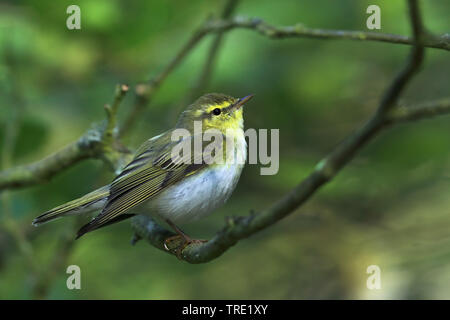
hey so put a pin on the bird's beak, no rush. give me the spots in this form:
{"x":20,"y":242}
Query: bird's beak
{"x":243,"y":101}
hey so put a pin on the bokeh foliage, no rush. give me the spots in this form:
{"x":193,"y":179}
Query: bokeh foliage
{"x":389,"y":207}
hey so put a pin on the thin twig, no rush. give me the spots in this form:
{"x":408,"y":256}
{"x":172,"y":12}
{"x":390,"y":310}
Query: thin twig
{"x":301,"y":31}
{"x":425,"y":110}
{"x":111,"y":111}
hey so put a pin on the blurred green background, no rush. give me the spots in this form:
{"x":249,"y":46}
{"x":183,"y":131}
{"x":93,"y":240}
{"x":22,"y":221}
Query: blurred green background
{"x":389,"y":207}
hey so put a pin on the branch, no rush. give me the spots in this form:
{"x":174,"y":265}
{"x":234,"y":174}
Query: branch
{"x":98,"y":142}
{"x":422,"y":111}
{"x":238,"y":228}
{"x":301,"y":31}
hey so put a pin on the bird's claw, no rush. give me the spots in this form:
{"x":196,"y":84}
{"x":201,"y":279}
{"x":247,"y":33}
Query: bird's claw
{"x":178,"y":243}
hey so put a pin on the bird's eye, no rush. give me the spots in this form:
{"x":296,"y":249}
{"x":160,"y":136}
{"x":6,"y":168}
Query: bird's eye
{"x":216,"y":111}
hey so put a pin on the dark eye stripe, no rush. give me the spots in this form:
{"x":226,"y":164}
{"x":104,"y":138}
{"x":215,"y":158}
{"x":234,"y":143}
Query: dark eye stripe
{"x":211,"y":113}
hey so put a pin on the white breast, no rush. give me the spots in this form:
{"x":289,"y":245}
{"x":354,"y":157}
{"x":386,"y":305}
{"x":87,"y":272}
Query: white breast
{"x":201,"y":193}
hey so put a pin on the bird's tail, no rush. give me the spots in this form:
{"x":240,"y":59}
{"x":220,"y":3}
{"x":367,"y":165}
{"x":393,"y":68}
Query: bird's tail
{"x":87,"y":203}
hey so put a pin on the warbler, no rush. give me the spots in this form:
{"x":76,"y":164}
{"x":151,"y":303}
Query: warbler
{"x":160,"y":184}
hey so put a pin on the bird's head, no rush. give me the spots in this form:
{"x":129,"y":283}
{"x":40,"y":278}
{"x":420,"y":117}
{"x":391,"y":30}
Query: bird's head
{"x":215,"y":111}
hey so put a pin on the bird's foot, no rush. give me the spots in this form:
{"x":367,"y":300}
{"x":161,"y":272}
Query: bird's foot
{"x":178,"y":243}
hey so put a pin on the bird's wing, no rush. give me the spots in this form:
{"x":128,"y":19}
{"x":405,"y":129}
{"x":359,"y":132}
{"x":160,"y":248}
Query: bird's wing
{"x":152,"y":170}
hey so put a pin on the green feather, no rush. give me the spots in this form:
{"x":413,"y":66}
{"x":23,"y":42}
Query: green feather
{"x":151,"y":171}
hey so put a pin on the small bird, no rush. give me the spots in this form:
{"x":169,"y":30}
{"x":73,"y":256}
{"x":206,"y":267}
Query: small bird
{"x":160,"y":185}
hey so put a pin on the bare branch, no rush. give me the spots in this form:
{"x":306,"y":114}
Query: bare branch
{"x":301,"y":31}
{"x":111,"y":111}
{"x":422,"y":111}
{"x":412,"y":66}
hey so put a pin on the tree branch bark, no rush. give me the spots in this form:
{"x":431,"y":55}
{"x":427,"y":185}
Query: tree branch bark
{"x":301,"y":31}
{"x":425,"y":110}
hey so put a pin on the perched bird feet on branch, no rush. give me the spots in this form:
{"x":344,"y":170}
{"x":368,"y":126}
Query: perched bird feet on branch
{"x":179,"y":242}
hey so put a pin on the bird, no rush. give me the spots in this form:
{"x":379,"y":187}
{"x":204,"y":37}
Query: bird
{"x":163,"y":185}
